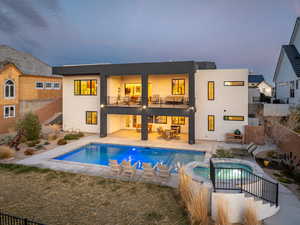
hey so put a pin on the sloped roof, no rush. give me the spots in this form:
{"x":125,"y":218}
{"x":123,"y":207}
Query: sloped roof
{"x":294,"y":57}
{"x":255,"y":78}
{"x":296,"y":28}
{"x":25,"y":62}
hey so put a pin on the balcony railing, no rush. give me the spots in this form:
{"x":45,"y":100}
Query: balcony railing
{"x":153,"y":101}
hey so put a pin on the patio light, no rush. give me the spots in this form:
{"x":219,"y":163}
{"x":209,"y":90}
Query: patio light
{"x":144,"y":107}
{"x":102,"y":105}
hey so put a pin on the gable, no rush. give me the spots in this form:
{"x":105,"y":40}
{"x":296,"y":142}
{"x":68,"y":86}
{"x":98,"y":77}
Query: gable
{"x":284,"y":71}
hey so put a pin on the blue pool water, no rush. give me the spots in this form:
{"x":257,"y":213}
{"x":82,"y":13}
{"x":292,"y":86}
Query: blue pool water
{"x":101,"y":154}
{"x":232,"y":174}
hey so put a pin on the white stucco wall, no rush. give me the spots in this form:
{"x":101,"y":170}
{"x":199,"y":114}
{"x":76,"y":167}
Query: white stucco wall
{"x":253,"y":93}
{"x":75,"y":107}
{"x":265,"y":89}
{"x":229,"y":100}
{"x":276,"y":109}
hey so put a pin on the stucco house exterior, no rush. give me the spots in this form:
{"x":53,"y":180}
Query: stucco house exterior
{"x":26,"y":84}
{"x":195,"y":99}
{"x":287,"y":73}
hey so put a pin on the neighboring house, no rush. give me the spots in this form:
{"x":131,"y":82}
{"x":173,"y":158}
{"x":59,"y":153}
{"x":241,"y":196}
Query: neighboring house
{"x":287,"y":74}
{"x":265,"y":88}
{"x":193,"y":98}
{"x":26,"y":84}
{"x":258,"y":87}
{"x":255,"y":80}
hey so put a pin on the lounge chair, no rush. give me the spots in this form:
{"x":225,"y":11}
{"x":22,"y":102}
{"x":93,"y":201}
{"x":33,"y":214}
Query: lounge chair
{"x":127,"y":169}
{"x":149,"y":171}
{"x":115,"y":168}
{"x":251,"y":148}
{"x":164,"y":171}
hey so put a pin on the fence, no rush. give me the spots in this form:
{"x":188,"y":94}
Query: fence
{"x":242,"y":180}
{"x":6,"y":219}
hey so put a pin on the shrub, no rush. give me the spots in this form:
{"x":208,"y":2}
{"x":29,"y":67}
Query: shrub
{"x":33,"y":143}
{"x":80,"y":134}
{"x":222,"y":213}
{"x":46,"y":143}
{"x":284,"y":180}
{"x":250,"y":216}
{"x":29,"y":151}
{"x":6,"y":152}
{"x":62,"y":142}
{"x":73,"y":136}
{"x":30,"y":126}
{"x":39,"y":147}
{"x":185,"y":182}
{"x":6,"y":140}
{"x":52,"y":137}
{"x":222,"y":153}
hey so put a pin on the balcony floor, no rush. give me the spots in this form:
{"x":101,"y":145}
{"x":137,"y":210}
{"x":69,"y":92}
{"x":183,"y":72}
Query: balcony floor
{"x":151,"y":106}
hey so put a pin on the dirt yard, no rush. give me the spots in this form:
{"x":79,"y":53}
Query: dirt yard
{"x":52,"y":197}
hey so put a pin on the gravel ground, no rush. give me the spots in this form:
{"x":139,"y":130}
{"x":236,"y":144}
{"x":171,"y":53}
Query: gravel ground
{"x":52,"y":197}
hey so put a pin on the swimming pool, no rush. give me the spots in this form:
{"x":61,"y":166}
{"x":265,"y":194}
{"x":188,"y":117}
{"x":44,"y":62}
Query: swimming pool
{"x":100,"y":154}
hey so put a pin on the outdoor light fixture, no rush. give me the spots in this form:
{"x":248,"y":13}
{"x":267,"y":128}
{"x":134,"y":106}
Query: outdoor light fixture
{"x":102,"y":106}
{"x":144,"y":107}
{"x":192,"y":108}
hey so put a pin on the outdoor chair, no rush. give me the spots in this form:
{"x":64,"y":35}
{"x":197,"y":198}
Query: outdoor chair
{"x":149,"y":171}
{"x":155,"y":99}
{"x":164,"y":172}
{"x":115,"y":168}
{"x":251,"y":148}
{"x":128,"y":170}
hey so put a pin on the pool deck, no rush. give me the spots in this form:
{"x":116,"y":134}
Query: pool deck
{"x":45,"y":159}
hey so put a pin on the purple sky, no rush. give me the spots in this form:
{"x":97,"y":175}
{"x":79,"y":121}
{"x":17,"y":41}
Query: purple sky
{"x":233,"y":33}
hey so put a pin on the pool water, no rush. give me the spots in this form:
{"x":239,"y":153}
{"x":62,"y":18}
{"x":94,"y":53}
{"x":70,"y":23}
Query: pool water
{"x":101,"y":154}
{"x":232,"y":174}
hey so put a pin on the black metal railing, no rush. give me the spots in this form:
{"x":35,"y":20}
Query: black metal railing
{"x":153,"y":101}
{"x":6,"y":219}
{"x":242,"y":180}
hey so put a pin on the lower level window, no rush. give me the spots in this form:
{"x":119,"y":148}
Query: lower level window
{"x":9,"y":111}
{"x":91,"y":117}
{"x":211,"y":123}
{"x":234,"y":118}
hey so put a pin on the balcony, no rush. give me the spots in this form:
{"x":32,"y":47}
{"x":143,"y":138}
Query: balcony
{"x":154,"y":101}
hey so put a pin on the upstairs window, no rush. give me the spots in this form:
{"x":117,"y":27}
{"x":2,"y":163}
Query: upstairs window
{"x":178,"y":86}
{"x":9,"y":111}
{"x":211,"y":90}
{"x":85,"y":87}
{"x":9,"y":89}
{"x":48,"y":85}
{"x":39,"y":85}
{"x":56,"y":86}
{"x":292,"y":89}
{"x":234,"y":118}
{"x":234,"y":83}
{"x":297,"y":84}
{"x":91,"y":117}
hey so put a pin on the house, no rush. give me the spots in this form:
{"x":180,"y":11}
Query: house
{"x":287,"y":73}
{"x":26,"y":84}
{"x":265,"y":88}
{"x":255,"y":80}
{"x":194,"y":100}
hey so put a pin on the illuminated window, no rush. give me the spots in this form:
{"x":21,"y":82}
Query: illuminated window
{"x":91,"y":117}
{"x":178,"y":120}
{"x":234,"y":118}
{"x":211,"y":123}
{"x":85,"y":87}
{"x":133,"y":89}
{"x":178,"y":86}
{"x":160,"y":119}
{"x":234,"y":83}
{"x":211,"y":90}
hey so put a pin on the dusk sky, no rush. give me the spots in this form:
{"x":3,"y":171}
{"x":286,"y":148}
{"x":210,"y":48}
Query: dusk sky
{"x":232,"y":33}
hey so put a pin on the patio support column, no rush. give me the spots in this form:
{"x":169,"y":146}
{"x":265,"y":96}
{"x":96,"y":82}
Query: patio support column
{"x":192,"y":128}
{"x":192,"y":89}
{"x":144,"y":106}
{"x":103,"y":104}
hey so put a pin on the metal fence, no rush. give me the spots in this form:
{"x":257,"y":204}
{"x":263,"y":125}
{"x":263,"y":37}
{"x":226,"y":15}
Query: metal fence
{"x":242,"y":180}
{"x":6,"y":219}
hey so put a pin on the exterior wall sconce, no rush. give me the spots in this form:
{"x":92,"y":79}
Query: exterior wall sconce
{"x":192,"y":108}
{"x":102,"y":106}
{"x":144,"y":107}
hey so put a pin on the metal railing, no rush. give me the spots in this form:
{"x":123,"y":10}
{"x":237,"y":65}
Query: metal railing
{"x":6,"y":219}
{"x":242,"y":180}
{"x":153,"y":101}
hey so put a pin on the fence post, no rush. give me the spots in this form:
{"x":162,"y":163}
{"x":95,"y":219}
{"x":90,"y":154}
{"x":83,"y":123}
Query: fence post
{"x":241,"y":183}
{"x":212,"y":174}
{"x":277,"y":193}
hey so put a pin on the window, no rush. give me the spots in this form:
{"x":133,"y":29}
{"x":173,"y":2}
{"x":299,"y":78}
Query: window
{"x":211,"y":123}
{"x":297,"y":84}
{"x":211,"y":90}
{"x":85,"y":87}
{"x":56,"y":86}
{"x":9,"y":111}
{"x":39,"y":85}
{"x":133,"y":89}
{"x":9,"y":89}
{"x":48,"y":85}
{"x":234,"y":83}
{"x":91,"y":117}
{"x":178,"y":86}
{"x":160,"y":119}
{"x":292,"y":89}
{"x":178,"y":120}
{"x":234,"y":118}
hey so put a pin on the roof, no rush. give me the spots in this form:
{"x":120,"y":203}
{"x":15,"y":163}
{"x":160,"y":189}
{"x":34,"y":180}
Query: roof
{"x":25,"y":62}
{"x":294,"y":57}
{"x":134,"y":68}
{"x":296,"y":28}
{"x":255,"y":78}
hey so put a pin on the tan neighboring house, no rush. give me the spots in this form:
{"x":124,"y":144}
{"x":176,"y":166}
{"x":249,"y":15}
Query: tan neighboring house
{"x":26,"y":84}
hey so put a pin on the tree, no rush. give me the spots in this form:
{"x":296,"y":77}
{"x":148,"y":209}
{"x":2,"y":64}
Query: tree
{"x":29,"y":126}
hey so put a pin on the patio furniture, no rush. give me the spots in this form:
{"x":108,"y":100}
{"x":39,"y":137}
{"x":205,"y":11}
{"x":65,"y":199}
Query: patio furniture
{"x":115,"y":168}
{"x":174,"y":100}
{"x":164,"y":172}
{"x":251,"y":148}
{"x":155,"y":99}
{"x":234,"y":138}
{"x":128,"y":170}
{"x":126,"y":100}
{"x":149,"y":171}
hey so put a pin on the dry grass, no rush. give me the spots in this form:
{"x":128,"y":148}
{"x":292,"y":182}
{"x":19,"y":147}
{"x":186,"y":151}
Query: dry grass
{"x":198,"y":207}
{"x":6,"y":152}
{"x":222,"y":213}
{"x":185,"y":183}
{"x":250,"y":216}
{"x":57,"y":198}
